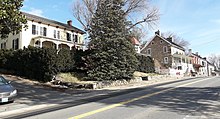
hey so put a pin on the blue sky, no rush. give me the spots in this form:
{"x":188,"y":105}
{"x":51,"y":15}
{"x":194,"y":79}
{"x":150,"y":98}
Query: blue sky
{"x":197,"y":21}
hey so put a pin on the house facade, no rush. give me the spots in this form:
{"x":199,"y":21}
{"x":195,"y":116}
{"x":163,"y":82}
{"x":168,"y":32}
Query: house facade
{"x":211,"y":69}
{"x":199,"y":64}
{"x":42,"y":32}
{"x":169,"y":58}
{"x":136,"y":44}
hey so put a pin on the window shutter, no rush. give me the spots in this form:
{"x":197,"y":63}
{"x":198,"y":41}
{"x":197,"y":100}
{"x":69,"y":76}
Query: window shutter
{"x":76,"y":38}
{"x":45,"y":31}
{"x":17,"y":43}
{"x":13,"y":44}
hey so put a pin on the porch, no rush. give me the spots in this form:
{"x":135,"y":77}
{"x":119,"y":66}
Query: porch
{"x":46,"y":42}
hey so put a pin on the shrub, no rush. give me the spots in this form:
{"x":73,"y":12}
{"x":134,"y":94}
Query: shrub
{"x":146,"y":64}
{"x":36,"y":63}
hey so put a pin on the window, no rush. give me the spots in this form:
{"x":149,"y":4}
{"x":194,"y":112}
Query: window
{"x":15,"y":44}
{"x":3,"y":45}
{"x":68,"y":36}
{"x":149,"y":51}
{"x":165,"y":49}
{"x":37,"y":32}
{"x":179,"y":67}
{"x":55,"y":34}
{"x":161,"y":42}
{"x":203,"y":63}
{"x":33,"y":29}
{"x":41,"y":31}
{"x":58,"y":34}
{"x":165,"y":60}
{"x":183,"y":60}
{"x":152,"y":42}
{"x":76,"y":38}
{"x":37,"y":44}
{"x":45,"y":31}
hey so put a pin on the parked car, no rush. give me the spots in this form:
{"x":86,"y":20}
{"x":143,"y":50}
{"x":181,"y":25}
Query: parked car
{"x":7,"y":91}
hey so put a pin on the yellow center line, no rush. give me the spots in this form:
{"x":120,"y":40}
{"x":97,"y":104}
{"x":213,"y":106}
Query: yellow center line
{"x":129,"y":101}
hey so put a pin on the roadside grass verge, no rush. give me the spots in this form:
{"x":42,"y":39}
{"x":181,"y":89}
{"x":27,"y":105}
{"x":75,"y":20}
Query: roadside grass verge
{"x":71,"y":77}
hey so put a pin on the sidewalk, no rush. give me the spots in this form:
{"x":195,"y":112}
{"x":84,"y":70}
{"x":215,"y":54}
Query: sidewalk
{"x":34,"y":97}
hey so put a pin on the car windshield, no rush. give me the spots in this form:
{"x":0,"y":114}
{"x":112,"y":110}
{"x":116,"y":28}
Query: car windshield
{"x":3,"y":81}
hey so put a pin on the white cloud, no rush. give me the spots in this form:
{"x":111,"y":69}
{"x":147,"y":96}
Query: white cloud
{"x":35,"y":11}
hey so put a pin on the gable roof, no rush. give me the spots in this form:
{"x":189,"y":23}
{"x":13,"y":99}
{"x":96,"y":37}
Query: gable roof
{"x":164,"y":39}
{"x":134,"y":41}
{"x":51,"y":22}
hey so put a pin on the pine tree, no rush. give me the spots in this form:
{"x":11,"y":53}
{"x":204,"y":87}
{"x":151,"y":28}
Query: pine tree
{"x":113,"y":55}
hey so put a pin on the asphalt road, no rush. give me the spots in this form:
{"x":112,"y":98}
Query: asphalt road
{"x":190,"y":99}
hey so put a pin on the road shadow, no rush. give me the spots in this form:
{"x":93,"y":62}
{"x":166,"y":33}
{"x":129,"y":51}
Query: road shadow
{"x":183,"y":100}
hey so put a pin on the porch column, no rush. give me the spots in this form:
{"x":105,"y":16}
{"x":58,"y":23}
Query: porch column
{"x":57,"y":46}
{"x":41,"y":44}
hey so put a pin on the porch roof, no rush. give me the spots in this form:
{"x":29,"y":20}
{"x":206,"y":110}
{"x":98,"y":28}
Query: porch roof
{"x":181,"y":56}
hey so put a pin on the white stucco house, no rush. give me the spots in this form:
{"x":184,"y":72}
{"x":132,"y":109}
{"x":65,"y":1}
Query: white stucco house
{"x":43,"y":32}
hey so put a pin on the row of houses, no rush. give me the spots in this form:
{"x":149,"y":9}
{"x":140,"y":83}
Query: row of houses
{"x":172,"y":59}
{"x":169,"y":57}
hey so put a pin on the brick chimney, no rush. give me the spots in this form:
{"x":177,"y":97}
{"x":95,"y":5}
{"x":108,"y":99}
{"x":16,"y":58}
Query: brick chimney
{"x":190,"y":51}
{"x":69,"y":22}
{"x":170,"y":39}
{"x":157,"y":32}
{"x":197,"y":53}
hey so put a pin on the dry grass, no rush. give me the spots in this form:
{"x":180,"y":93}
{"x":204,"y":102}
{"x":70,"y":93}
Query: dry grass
{"x":77,"y":77}
{"x":71,"y":77}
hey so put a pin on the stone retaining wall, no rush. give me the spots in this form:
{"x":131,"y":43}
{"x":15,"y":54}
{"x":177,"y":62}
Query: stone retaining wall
{"x":105,"y":84}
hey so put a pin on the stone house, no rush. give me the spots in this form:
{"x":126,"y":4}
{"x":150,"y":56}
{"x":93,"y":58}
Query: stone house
{"x":169,"y":57}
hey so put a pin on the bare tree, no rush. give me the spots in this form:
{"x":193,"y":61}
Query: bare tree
{"x":83,"y":11}
{"x":215,"y":60}
{"x":176,"y":39}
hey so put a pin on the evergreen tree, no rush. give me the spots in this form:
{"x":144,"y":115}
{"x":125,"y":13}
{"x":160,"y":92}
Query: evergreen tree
{"x":113,"y":55}
{"x":11,"y":19}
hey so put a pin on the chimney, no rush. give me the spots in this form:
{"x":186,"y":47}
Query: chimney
{"x":190,"y":51}
{"x":197,"y":53}
{"x":69,"y":22}
{"x":157,"y":32}
{"x":170,"y":39}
